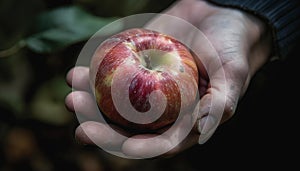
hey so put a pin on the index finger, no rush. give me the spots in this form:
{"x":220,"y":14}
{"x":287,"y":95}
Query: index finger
{"x":78,"y":78}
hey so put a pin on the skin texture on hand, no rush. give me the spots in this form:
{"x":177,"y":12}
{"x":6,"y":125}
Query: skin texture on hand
{"x":243,"y":44}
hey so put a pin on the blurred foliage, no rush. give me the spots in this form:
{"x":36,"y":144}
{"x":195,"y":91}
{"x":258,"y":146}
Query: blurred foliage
{"x":57,"y":28}
{"x":40,"y":41}
{"x":48,"y":99}
{"x":17,"y":18}
{"x":55,"y":32}
{"x":122,"y":8}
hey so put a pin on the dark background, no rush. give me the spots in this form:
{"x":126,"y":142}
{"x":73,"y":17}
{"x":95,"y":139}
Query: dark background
{"x":37,"y":132}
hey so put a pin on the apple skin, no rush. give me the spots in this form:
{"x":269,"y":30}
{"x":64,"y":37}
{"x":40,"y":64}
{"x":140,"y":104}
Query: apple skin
{"x":156,"y":62}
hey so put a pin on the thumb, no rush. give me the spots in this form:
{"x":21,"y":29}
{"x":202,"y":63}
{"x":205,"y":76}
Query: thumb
{"x":219,"y":103}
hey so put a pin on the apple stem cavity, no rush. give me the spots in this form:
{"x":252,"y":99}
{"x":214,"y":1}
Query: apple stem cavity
{"x":147,"y":61}
{"x":156,"y":60}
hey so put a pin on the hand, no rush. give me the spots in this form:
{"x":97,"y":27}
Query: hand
{"x":242,"y":43}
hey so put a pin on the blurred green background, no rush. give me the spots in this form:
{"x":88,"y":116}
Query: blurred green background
{"x":40,"y":41}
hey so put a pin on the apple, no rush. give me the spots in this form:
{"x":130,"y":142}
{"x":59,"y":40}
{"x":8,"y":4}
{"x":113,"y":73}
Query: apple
{"x":140,"y":70}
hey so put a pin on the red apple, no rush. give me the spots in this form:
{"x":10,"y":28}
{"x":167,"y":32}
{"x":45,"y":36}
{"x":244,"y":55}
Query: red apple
{"x":129,"y":66}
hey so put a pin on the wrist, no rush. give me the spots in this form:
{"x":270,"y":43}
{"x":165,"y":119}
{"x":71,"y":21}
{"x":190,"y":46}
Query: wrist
{"x":257,"y":36}
{"x":193,"y":11}
{"x":260,"y":36}
{"x":254,"y":32}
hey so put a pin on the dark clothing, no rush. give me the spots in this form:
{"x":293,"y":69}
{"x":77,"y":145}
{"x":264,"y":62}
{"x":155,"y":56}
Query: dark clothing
{"x":283,"y":17}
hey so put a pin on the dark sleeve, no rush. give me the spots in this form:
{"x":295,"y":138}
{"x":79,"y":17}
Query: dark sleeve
{"x":283,"y":17}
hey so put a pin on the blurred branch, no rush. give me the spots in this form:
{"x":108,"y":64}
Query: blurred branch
{"x":13,"y":50}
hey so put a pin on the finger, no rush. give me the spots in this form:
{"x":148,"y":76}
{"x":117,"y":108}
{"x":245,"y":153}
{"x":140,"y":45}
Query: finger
{"x":212,"y":103}
{"x":210,"y":114}
{"x":102,"y":135}
{"x":78,"y":78}
{"x":227,"y":73}
{"x":181,"y":129}
{"x":190,"y":141}
{"x":220,"y":103}
{"x":84,"y":105}
{"x":168,"y":143}
{"x":139,"y":146}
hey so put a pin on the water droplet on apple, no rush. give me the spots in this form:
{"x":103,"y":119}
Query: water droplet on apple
{"x":181,"y":69}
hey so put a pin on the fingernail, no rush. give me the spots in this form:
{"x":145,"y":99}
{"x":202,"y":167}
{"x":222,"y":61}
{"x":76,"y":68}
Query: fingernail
{"x":206,"y":123}
{"x":199,"y":112}
{"x":204,"y":138}
{"x":204,"y":130}
{"x":204,"y":110}
{"x":201,"y":124}
{"x":206,"y":126}
{"x":203,"y":114}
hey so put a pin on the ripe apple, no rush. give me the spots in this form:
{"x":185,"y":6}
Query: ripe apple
{"x":128,"y":67}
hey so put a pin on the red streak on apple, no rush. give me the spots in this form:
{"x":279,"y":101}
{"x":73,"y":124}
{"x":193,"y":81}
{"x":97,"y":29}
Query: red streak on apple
{"x":157,"y":62}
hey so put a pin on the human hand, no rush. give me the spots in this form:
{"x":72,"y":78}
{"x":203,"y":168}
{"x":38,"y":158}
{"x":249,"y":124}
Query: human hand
{"x":242,"y":44}
{"x":239,"y":45}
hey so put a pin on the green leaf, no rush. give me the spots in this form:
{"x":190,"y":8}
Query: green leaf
{"x":133,"y":6}
{"x":63,"y":27}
